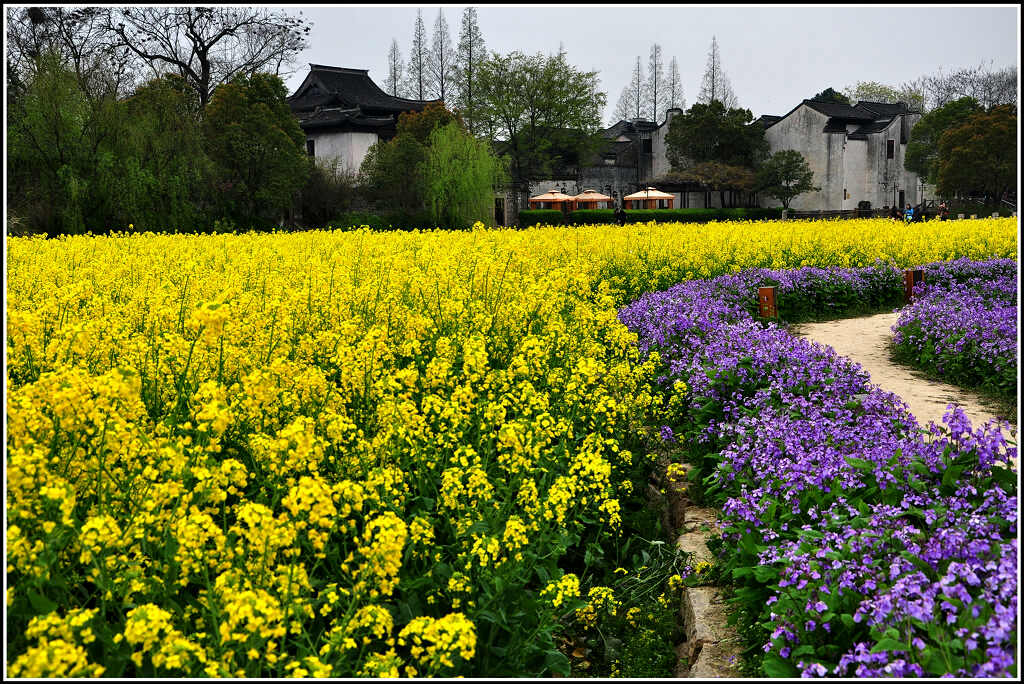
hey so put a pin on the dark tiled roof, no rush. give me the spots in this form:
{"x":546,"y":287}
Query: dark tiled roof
{"x":349,"y":88}
{"x":346,"y":119}
{"x":873,"y":127}
{"x":883,"y":109}
{"x":838,"y":110}
{"x":629,"y":128}
{"x":834,"y":125}
{"x":767,"y":120}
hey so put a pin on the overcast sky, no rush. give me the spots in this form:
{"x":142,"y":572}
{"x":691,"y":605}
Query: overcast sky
{"x":773,"y":56}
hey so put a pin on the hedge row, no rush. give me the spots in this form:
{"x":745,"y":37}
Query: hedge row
{"x":532,"y":217}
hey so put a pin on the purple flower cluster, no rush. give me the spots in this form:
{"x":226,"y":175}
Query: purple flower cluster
{"x":889,"y":550}
{"x":963,"y":325}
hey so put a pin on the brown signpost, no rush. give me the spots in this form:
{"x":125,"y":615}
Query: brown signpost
{"x":766,"y":302}
{"x":911,"y":277}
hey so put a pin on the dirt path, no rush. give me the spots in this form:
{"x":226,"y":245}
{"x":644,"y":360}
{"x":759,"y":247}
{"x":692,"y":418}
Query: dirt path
{"x":865,"y":340}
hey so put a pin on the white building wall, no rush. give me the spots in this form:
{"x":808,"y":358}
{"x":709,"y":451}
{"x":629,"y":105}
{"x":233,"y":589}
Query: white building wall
{"x":349,"y":148}
{"x":802,"y":131}
{"x":843,"y":167}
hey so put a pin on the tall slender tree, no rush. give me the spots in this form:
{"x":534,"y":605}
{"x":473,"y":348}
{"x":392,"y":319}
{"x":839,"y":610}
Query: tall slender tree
{"x":416,"y":74}
{"x":654,"y":87}
{"x":674,"y":87}
{"x":396,"y":69}
{"x":715,"y":84}
{"x":631,"y":99}
{"x":471,"y":52}
{"x":441,"y":62}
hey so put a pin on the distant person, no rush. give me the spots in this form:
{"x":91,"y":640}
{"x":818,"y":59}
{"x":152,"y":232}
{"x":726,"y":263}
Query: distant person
{"x":620,"y":215}
{"x":894,"y":213}
{"x":943,"y":210}
{"x":908,"y":214}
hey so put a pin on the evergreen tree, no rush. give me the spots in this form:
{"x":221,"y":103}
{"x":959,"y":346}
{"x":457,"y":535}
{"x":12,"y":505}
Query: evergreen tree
{"x":631,"y":100}
{"x":393,"y":80}
{"x":674,"y":87}
{"x":470,"y":54}
{"x":715,"y":84}
{"x":654,"y":88}
{"x":417,"y":77}
{"x":441,"y":60}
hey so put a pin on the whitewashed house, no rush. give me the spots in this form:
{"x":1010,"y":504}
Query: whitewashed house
{"x":856,"y":153}
{"x":343,"y":112}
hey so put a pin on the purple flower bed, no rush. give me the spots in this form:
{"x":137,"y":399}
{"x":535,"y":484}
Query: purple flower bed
{"x":962,"y":326}
{"x":859,"y":543}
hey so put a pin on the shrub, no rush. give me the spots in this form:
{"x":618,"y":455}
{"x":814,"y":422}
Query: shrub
{"x":535,"y":217}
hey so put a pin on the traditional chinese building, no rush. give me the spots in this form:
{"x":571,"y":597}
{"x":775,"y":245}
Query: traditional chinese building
{"x":342,"y":112}
{"x":855,"y":151}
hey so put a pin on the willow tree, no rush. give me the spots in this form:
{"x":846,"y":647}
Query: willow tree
{"x":461,"y":174}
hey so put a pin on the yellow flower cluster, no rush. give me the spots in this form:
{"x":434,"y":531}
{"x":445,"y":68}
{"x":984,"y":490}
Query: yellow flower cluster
{"x":251,"y":451}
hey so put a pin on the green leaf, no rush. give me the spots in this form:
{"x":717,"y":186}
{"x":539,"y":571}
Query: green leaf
{"x":42,"y":604}
{"x":765,"y":573}
{"x":860,"y":463}
{"x":775,"y":666}
{"x":888,"y":644}
{"x":557,"y":663}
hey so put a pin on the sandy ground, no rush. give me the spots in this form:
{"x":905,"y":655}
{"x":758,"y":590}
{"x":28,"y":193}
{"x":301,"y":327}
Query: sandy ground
{"x":865,"y":341}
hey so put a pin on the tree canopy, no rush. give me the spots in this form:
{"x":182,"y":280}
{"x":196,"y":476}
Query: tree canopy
{"x":832,"y":95}
{"x":785,"y":175}
{"x":922,"y":155}
{"x":434,"y":167}
{"x":980,"y":155}
{"x":544,"y":111}
{"x":710,"y":132}
{"x":258,"y":147}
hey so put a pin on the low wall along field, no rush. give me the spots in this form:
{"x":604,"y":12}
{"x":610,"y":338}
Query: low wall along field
{"x":350,"y":453}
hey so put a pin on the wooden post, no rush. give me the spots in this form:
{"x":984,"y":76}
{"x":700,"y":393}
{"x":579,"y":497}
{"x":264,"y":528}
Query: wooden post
{"x":766,"y":302}
{"x":911,"y":277}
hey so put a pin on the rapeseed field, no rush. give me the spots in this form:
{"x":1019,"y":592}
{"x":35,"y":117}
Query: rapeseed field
{"x":346,"y":453}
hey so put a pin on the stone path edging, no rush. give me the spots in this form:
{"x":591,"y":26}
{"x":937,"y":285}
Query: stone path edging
{"x":711,"y":647}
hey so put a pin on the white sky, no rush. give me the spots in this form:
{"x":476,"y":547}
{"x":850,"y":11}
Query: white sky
{"x":773,"y":56}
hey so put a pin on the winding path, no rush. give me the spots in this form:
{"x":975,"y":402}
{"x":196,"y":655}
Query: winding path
{"x":865,"y":340}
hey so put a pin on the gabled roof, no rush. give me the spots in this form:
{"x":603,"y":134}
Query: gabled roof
{"x":838,"y":110}
{"x":632,"y":127}
{"x":344,"y":119}
{"x":767,"y":120}
{"x":885,"y":109}
{"x":874,"y":127}
{"x":348,"y":88}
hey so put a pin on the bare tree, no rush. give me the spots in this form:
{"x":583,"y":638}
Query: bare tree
{"x":654,"y":87}
{"x":76,"y":37}
{"x":674,"y":87}
{"x":209,"y":46}
{"x":441,"y":59}
{"x":715,"y":85}
{"x":471,"y":52}
{"x":990,"y":87}
{"x":393,"y":81}
{"x":417,"y":77}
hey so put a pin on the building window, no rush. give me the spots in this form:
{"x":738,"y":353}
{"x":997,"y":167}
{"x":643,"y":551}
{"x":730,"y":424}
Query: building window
{"x":890,"y":149}
{"x":310,"y":147}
